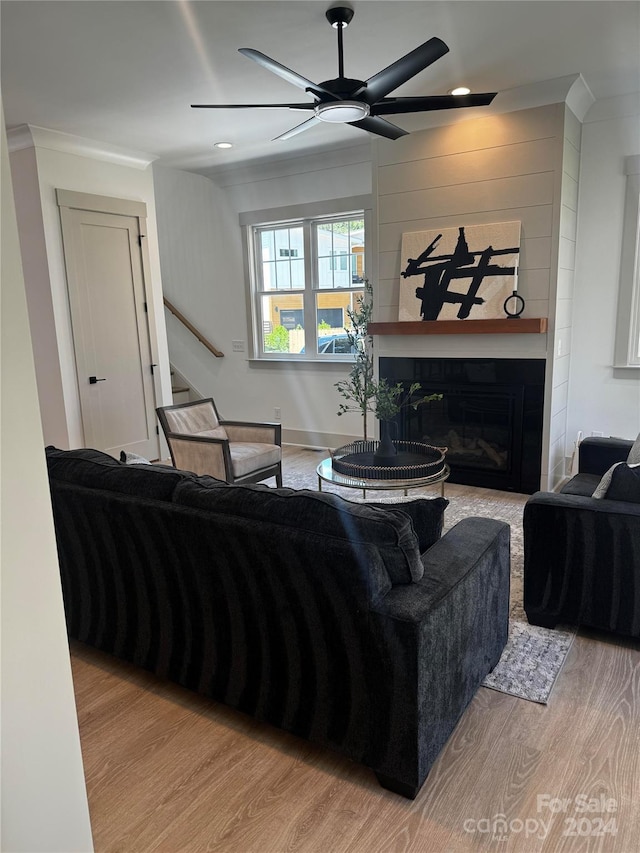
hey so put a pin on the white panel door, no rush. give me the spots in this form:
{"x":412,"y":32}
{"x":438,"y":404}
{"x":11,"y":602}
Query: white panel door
{"x":110,"y":331}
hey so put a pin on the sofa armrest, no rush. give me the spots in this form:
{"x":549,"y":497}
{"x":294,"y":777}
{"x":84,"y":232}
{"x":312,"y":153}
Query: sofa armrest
{"x":446,"y":564}
{"x":596,"y":454}
{"x":560,"y":501}
{"x":436,"y":641}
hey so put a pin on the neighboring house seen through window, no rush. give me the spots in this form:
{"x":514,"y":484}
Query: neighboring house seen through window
{"x":305,"y":274}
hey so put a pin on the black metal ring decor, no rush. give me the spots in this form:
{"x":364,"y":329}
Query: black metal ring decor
{"x":414,"y":460}
{"x":518,"y":301}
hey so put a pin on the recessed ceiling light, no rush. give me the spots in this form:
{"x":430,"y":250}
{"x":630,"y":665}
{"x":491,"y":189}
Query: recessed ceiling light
{"x":222,"y":145}
{"x":460,"y":90}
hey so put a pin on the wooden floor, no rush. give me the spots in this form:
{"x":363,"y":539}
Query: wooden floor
{"x":169,"y":771}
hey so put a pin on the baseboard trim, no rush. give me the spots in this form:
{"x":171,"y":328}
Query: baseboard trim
{"x":316,"y":440}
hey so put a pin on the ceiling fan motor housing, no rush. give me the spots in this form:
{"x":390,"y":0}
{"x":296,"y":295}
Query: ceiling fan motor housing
{"x":339,"y":16}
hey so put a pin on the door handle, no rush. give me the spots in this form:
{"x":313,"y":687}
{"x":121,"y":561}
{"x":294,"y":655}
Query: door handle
{"x":94,"y":379}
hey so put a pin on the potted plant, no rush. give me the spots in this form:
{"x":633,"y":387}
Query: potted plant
{"x":362,"y":392}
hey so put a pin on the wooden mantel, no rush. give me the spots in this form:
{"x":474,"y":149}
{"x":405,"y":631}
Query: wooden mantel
{"x":521,"y":326}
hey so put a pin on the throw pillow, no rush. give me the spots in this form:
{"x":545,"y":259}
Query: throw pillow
{"x":620,"y":483}
{"x":426,"y":514}
{"x":601,"y":489}
{"x":634,"y":454}
{"x":133,"y":459}
{"x":625,"y":484}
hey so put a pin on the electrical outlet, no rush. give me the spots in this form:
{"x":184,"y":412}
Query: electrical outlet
{"x":276,"y":413}
{"x":237,"y":346}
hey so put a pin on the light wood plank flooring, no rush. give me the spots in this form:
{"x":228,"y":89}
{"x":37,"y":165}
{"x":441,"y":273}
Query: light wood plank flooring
{"x":169,"y":771}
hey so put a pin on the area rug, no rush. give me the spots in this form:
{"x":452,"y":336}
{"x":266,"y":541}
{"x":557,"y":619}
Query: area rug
{"x":533,"y":657}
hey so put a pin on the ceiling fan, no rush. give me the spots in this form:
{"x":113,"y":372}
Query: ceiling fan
{"x":361,"y":103}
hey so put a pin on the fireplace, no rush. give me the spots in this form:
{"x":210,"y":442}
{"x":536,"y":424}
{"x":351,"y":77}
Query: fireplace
{"x":489,"y":418}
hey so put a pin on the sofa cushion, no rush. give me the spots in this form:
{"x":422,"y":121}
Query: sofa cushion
{"x":581,"y":484}
{"x":620,"y":483}
{"x":195,"y":419}
{"x":389,"y":531}
{"x":625,"y":484}
{"x":247,"y":457}
{"x":97,"y":470}
{"x":426,"y":514}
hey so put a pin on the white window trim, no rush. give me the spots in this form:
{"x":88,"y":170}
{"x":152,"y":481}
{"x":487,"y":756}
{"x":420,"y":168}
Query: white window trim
{"x":628,"y":322}
{"x":294,"y":213}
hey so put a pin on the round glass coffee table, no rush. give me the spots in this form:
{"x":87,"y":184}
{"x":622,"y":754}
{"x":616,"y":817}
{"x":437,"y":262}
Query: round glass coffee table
{"x":328,"y":474}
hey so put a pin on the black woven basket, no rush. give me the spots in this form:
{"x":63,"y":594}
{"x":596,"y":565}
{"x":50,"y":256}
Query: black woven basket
{"x":413,"y":461}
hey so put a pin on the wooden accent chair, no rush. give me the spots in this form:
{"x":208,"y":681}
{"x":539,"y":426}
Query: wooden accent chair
{"x":234,"y":451}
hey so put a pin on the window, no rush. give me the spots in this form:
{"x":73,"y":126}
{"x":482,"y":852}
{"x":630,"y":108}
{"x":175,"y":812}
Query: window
{"x":627,"y":349}
{"x":305,"y":274}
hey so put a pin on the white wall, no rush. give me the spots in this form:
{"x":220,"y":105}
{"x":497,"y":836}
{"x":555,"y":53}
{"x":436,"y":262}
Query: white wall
{"x":203,"y":272}
{"x":44,"y":803}
{"x":600,"y":398}
{"x":35,"y":265}
{"x":65,"y":169}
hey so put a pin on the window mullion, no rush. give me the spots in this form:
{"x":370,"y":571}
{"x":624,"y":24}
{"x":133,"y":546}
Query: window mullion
{"x":258,"y":289}
{"x":310,"y":284}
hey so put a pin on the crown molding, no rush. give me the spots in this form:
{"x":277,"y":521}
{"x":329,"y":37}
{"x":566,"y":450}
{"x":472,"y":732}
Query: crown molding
{"x":32,"y":136}
{"x":617,"y":106}
{"x":580,"y":98}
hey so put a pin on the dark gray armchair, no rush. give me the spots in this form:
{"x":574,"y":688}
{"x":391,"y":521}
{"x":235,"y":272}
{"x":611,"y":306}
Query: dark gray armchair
{"x":582,"y":554}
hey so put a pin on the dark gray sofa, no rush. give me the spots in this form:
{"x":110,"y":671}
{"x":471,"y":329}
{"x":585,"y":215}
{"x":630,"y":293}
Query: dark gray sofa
{"x":315,"y":614}
{"x":582,"y":554}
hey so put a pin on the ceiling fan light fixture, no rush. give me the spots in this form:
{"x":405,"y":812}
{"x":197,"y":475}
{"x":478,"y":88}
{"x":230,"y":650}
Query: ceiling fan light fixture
{"x":342,"y":112}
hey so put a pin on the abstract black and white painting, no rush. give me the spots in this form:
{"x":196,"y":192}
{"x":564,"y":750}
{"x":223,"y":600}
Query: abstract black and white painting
{"x":458,"y":273}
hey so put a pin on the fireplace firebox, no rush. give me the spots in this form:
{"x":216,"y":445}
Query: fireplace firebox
{"x":489,"y":418}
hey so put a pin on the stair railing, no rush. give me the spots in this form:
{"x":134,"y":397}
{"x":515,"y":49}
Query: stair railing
{"x":193,"y":329}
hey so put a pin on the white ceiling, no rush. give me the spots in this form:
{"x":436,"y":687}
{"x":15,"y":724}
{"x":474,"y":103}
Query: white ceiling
{"x":125,"y":73}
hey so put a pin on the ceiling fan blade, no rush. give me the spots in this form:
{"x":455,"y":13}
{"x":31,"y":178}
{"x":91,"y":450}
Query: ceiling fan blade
{"x":403,"y":69}
{"x":380,"y":127}
{"x":396,"y":106}
{"x":286,"y":73}
{"x":300,"y":128}
{"x":253,"y":106}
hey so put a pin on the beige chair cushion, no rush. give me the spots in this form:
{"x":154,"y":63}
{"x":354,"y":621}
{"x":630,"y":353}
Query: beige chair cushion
{"x":218,"y":432}
{"x":247,"y":457}
{"x":196,"y":420}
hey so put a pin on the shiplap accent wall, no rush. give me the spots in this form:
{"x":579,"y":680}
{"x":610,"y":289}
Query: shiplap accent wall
{"x":518,"y":166}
